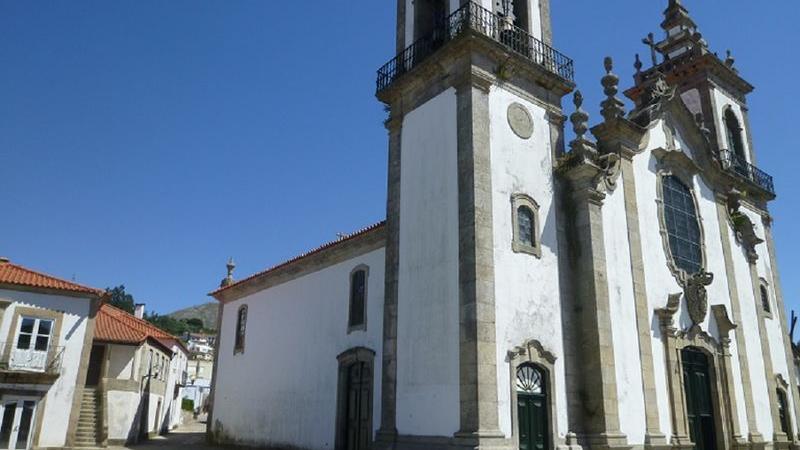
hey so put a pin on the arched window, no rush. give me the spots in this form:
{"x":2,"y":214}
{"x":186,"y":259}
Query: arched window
{"x":241,"y":329}
{"x":783,"y":412}
{"x":358,"y":299}
{"x":734,"y":132}
{"x":683,"y":226}
{"x":765,"y":298}
{"x":526,"y":225}
{"x":532,"y":404}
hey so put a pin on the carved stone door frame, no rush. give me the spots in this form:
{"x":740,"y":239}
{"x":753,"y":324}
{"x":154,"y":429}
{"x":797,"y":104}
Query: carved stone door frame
{"x":720,"y":372}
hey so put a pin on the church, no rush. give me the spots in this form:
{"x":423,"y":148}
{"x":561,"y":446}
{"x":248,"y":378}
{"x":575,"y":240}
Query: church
{"x":618,"y":290}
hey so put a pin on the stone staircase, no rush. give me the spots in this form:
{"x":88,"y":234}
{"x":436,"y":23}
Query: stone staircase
{"x":88,"y":433}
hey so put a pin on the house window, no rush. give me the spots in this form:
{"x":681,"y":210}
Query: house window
{"x":734,"y":132}
{"x":783,"y":412}
{"x":358,"y":299}
{"x":765,"y":298}
{"x":241,"y":328}
{"x":683,"y":226}
{"x":525,"y":222}
{"x":34,"y":334}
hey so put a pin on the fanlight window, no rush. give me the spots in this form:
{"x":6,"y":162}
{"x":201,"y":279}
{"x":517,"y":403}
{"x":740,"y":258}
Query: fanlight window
{"x":683,"y":226}
{"x":530,"y":379}
{"x":525,"y":224}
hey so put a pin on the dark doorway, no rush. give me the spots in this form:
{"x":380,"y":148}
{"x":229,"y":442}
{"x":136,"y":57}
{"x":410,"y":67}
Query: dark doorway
{"x":428,"y":16}
{"x":359,"y":389}
{"x":699,"y":401}
{"x":95,"y":370}
{"x":532,"y":408}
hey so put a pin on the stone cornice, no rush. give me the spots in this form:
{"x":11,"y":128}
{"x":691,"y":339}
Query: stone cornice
{"x":496,"y":66}
{"x":315,"y":261}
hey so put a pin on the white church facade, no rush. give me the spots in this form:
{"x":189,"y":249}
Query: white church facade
{"x":619,"y":291}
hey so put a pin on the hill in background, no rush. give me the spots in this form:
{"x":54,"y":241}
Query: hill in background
{"x":206,"y":312}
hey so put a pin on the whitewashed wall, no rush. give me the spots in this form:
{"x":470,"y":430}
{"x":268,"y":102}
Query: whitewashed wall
{"x":624,"y":331}
{"x":661,"y":283}
{"x":121,"y":361}
{"x":121,"y":414}
{"x":283,"y":388}
{"x":527,"y":300}
{"x":171,"y":416}
{"x":73,"y":330}
{"x":428,"y":317}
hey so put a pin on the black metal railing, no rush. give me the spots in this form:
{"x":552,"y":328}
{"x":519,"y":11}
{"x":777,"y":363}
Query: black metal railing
{"x":474,"y":17}
{"x":739,"y":166}
{"x":13,"y":359}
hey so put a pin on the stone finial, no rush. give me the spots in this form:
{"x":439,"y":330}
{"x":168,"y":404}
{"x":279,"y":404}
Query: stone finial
{"x":612,"y":107}
{"x":228,"y":280}
{"x":638,"y":64}
{"x":580,"y":118}
{"x":729,"y":59}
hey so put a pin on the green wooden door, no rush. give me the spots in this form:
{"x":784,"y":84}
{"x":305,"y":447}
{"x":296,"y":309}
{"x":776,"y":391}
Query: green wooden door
{"x":699,"y":403}
{"x":532,"y":408}
{"x":359,"y":396}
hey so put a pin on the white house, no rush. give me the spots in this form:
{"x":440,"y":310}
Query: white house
{"x":620,"y":293}
{"x":137,"y":372}
{"x":47,"y":324}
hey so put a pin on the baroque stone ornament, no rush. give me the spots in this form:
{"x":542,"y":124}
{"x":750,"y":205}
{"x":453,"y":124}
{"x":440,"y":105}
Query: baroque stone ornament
{"x":520,"y":121}
{"x":605,"y":168}
{"x":697,"y":296}
{"x":744,"y":228}
{"x":612,"y":107}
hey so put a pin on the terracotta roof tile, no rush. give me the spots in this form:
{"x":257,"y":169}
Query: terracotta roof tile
{"x":301,"y":256}
{"x":16,"y":275}
{"x":117,"y":326}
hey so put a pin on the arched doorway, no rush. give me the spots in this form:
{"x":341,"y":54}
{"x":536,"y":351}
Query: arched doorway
{"x":699,"y":399}
{"x":532,"y":405}
{"x":355,"y":399}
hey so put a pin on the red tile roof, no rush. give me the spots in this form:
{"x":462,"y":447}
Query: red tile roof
{"x":326,"y":246}
{"x":16,"y":275}
{"x":116,"y":326}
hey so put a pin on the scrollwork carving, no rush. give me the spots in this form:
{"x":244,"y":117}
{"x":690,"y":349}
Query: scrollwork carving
{"x":697,"y":296}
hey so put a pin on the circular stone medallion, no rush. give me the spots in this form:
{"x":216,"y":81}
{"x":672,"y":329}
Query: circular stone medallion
{"x":520,"y":121}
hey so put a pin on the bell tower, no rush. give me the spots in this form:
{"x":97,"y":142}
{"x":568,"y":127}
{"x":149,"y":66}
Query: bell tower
{"x":475,"y":124}
{"x":709,"y":85}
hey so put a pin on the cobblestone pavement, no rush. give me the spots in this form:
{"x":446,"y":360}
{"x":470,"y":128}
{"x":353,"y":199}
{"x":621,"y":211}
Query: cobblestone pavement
{"x":191,"y":435}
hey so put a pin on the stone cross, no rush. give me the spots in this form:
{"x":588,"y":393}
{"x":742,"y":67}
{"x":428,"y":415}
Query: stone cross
{"x":650,"y":41}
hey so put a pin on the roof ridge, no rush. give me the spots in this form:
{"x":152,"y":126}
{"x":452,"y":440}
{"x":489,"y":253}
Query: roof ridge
{"x":319,"y":248}
{"x":74,"y":285}
{"x":154,"y":330}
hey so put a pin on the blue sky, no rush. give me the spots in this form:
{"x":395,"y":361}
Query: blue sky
{"x":143,"y":143}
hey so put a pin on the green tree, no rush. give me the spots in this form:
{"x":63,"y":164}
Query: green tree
{"x":194,"y":324}
{"x":120,"y":298}
{"x":167,"y":323}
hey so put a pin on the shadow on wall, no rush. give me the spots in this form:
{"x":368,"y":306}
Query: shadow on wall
{"x":140,"y":424}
